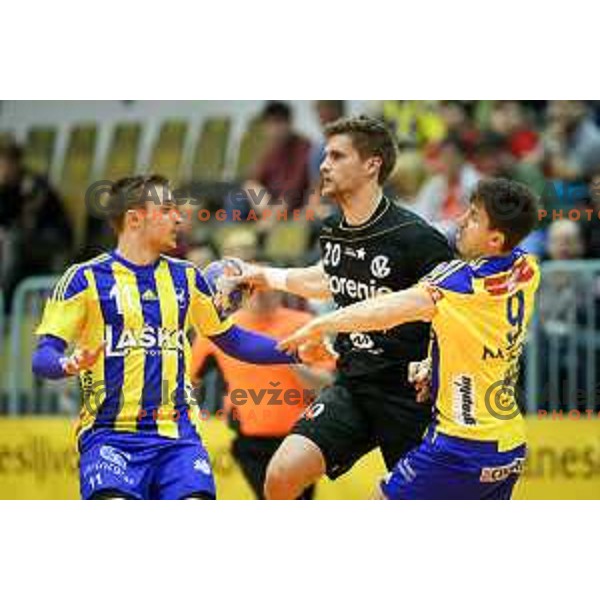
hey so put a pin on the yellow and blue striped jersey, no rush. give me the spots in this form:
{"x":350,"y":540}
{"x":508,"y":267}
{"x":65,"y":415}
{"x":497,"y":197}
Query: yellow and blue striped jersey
{"x":483,"y":309}
{"x":142,"y":314}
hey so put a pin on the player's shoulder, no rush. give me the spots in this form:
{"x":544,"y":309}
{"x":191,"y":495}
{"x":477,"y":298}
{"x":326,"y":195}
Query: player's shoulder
{"x":74,"y":279}
{"x":330,"y":223}
{"x":504,"y":273}
{"x":454,"y":275}
{"x":184,"y":267}
{"x":414,"y":227}
{"x":191,"y":272}
{"x":180,"y":263}
{"x":496,"y":273}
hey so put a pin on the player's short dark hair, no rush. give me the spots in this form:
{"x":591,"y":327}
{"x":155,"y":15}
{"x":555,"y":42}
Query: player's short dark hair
{"x":511,"y":208}
{"x":370,"y":137}
{"x":277,"y":110}
{"x":132,"y":192}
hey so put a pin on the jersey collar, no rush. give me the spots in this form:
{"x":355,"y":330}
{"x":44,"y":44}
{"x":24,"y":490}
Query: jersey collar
{"x":491,"y":265}
{"x":134,"y":267}
{"x":381,"y":209}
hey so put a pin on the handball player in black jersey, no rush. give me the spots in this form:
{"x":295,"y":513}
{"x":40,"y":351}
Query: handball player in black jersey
{"x":375,"y":247}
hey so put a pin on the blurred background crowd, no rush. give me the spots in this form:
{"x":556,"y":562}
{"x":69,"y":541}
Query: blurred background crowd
{"x":274,"y":156}
{"x":445,"y":147}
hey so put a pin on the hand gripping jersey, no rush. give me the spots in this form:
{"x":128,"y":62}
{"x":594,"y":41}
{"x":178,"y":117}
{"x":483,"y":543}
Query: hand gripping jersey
{"x":483,"y":309}
{"x":392,"y":251}
{"x":142,"y":314}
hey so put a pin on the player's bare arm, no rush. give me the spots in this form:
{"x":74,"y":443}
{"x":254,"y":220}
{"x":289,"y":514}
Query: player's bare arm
{"x":376,"y":314}
{"x":308,"y":282}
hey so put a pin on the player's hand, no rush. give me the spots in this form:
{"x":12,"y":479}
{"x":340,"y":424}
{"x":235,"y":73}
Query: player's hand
{"x":317,"y":351}
{"x":251,"y":275}
{"x":419,"y":374}
{"x":81,"y":360}
{"x":309,"y":335}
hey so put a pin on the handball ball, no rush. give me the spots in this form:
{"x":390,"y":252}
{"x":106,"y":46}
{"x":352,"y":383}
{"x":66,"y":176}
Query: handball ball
{"x":227,"y":298}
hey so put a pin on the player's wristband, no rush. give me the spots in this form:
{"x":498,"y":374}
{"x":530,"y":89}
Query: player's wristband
{"x":276,"y":278}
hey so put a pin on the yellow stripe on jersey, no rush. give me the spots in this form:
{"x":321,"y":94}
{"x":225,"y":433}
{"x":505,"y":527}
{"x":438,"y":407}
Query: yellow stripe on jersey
{"x":169,"y":311}
{"x":133,"y":376}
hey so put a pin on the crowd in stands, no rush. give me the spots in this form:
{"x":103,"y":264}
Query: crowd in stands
{"x":445,"y":148}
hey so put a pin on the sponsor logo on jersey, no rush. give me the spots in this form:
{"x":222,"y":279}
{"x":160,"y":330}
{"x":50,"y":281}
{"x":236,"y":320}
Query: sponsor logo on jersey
{"x":492,"y":353}
{"x":380,"y":266}
{"x":114,"y":456}
{"x":313,"y":411}
{"x":464,"y":399}
{"x":147,"y":338}
{"x":362,"y":341}
{"x":358,"y":290}
{"x":149,"y":295}
{"x":202,"y":465}
{"x":502,"y":472}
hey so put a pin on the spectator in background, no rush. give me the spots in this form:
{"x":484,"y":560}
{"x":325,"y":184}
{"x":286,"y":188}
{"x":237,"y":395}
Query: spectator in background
{"x":571,"y":141}
{"x":260,"y":426}
{"x":407,"y":177}
{"x":327,"y":112}
{"x":564,"y":240}
{"x":201,"y":254}
{"x":282,"y":173}
{"x":591,"y":226}
{"x":240,"y":242}
{"x":35,"y":234}
{"x":445,"y":196}
{"x":508,"y":120}
{"x":414,"y":122}
{"x":562,"y":311}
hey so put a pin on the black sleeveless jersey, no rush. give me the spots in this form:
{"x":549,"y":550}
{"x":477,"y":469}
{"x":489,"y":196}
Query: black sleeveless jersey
{"x":390,"y":252}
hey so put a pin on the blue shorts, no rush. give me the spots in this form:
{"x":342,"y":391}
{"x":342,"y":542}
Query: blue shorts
{"x":445,"y":467}
{"x":144,"y":466}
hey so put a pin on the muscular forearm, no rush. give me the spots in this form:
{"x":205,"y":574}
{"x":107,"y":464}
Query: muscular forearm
{"x":309,"y":282}
{"x":380,"y":313}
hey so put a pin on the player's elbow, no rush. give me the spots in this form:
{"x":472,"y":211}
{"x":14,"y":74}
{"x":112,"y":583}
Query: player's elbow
{"x":40,"y":366}
{"x":46,"y":359}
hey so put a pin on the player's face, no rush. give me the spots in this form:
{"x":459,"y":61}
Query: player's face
{"x":474,"y":237}
{"x":161,"y":222}
{"x":343,"y":171}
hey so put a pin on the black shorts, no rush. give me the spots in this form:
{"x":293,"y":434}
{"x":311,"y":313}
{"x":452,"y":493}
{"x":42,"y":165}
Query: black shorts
{"x":354,"y":415}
